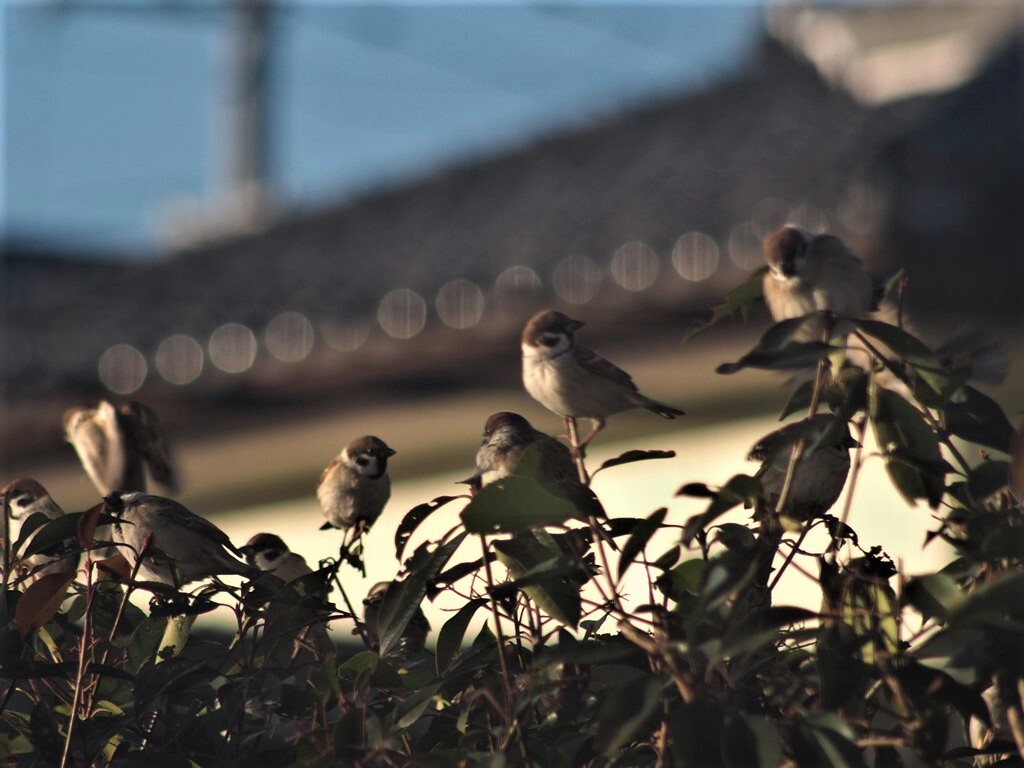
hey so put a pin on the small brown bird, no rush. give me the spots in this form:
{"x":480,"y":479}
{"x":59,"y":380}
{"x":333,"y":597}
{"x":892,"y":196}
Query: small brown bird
{"x":819,"y":477}
{"x":117,"y":444}
{"x":26,"y":497}
{"x":575,"y":382}
{"x":177,"y":546}
{"x":414,"y":636}
{"x":270,"y":554}
{"x":509,"y":439}
{"x":812,"y":273}
{"x":355,"y":486}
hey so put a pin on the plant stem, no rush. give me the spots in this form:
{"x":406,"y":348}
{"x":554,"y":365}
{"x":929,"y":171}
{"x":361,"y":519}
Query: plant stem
{"x":498,"y":635}
{"x":90,"y":590}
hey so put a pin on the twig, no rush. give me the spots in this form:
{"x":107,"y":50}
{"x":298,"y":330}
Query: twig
{"x":505,"y":678}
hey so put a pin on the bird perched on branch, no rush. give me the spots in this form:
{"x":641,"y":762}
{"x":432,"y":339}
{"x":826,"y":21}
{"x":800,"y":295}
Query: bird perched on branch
{"x":355,"y":486}
{"x":168,"y":543}
{"x":117,"y":444}
{"x":819,"y":477}
{"x":26,"y":497}
{"x":814,"y":273}
{"x":575,"y":382}
{"x":512,"y":446}
{"x":270,"y":554}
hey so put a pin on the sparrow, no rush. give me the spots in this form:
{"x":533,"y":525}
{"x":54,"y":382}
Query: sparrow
{"x":575,"y":382}
{"x":508,"y":439}
{"x":25,"y":497}
{"x":116,"y":444}
{"x":355,"y":486}
{"x":813,"y":273}
{"x":414,"y":636}
{"x":270,"y":554}
{"x":176,"y":546}
{"x":818,"y":479}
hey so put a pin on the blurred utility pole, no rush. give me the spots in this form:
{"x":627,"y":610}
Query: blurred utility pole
{"x":247,"y":139}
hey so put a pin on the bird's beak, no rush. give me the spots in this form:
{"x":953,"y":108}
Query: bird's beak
{"x":391,"y":452}
{"x":575,"y":325}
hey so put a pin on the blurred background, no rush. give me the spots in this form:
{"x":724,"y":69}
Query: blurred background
{"x":286,"y":224}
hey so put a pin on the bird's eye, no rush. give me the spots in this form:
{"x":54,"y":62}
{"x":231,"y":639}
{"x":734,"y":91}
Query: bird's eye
{"x":23,"y":501}
{"x":549,"y":340}
{"x":362,"y":461}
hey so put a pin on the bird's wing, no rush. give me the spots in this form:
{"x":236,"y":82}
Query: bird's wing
{"x":176,"y":514}
{"x":143,"y":430}
{"x":594,"y":363}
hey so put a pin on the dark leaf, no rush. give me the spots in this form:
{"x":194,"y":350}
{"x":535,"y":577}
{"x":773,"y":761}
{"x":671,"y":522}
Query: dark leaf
{"x":800,"y":400}
{"x":46,"y":735}
{"x":739,"y":300}
{"x":1016,"y":468}
{"x":751,"y":741}
{"x":628,"y":714}
{"x":902,"y":344}
{"x":976,"y":417}
{"x":630,"y":457}
{"x":414,"y":517}
{"x":910,"y":445}
{"x":988,"y":478}
{"x":540,"y":569}
{"x":933,"y":594}
{"x":641,"y":535}
{"x":699,"y":490}
{"x":59,"y":531}
{"x":515,"y":504}
{"x":740,"y":489}
{"x":449,"y":640}
{"x":404,"y":597}
{"x":794,"y":356}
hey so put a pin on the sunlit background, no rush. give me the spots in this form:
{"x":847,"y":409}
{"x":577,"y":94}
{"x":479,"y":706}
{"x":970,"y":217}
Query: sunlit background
{"x":286,"y":224}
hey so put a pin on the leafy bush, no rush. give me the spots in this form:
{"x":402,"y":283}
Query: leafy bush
{"x":707,"y":671}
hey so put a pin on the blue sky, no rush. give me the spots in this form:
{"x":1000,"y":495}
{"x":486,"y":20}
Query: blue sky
{"x":114,"y":113}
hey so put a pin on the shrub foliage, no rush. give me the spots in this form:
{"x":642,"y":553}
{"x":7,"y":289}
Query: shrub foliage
{"x":547,"y":660}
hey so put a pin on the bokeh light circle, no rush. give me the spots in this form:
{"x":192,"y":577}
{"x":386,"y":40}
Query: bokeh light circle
{"x":179,"y":359}
{"x":122,"y":369}
{"x":232,"y":348}
{"x":576,"y":279}
{"x":635,"y":266}
{"x":402,"y":313}
{"x":289,"y":337}
{"x":695,"y":256}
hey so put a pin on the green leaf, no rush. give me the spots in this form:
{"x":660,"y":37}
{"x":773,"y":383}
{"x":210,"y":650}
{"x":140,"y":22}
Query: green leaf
{"x":641,"y":535}
{"x":751,"y":741}
{"x":933,"y":594}
{"x":988,"y":478}
{"x":414,"y":517}
{"x":540,"y":570}
{"x":739,"y":300}
{"x":449,"y":640}
{"x":975,"y":417}
{"x":740,"y":489}
{"x":515,"y":504}
{"x":911,"y":448}
{"x":904,"y":345}
{"x":628,"y":713}
{"x":403,"y":598}
{"x":794,"y":356}
{"x":684,"y":580}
